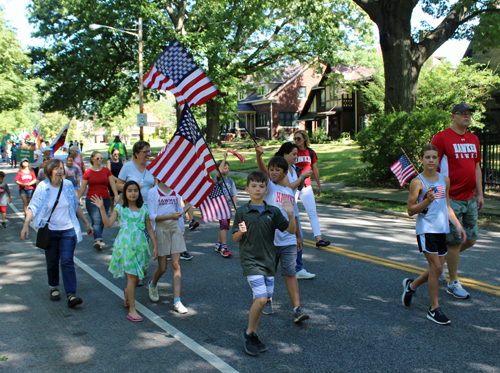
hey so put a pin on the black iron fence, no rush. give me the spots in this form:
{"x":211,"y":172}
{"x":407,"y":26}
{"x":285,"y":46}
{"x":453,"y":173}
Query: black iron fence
{"x":490,"y":152}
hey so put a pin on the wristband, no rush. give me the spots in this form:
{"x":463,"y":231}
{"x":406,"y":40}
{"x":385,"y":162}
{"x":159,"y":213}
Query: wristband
{"x":302,"y":176}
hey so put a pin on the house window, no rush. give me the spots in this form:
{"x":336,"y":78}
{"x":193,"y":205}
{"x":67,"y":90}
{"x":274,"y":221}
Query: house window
{"x":289,"y":119}
{"x":302,"y":92}
{"x":262,"y":120}
{"x":323,"y":97}
{"x":242,"y":95}
{"x":261,"y":91}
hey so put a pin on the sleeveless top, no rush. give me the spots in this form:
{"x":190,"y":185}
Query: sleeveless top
{"x":116,"y":167}
{"x":434,"y":219}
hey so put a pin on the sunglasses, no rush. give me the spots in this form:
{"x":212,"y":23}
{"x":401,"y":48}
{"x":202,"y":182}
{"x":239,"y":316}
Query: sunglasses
{"x":297,"y":138}
{"x":98,"y":158}
{"x":145,"y":151}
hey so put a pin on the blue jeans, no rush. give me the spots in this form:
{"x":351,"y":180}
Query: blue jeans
{"x":95,"y":216}
{"x":62,"y":248}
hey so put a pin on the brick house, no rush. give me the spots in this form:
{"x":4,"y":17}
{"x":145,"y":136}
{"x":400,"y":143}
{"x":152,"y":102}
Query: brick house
{"x":333,"y":107}
{"x":271,"y":108}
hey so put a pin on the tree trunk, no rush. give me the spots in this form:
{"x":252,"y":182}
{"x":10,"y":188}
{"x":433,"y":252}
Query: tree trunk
{"x":402,"y":64}
{"x":213,"y":122}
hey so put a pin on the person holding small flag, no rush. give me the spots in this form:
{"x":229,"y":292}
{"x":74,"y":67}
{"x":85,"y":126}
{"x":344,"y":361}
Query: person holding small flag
{"x":430,"y":200}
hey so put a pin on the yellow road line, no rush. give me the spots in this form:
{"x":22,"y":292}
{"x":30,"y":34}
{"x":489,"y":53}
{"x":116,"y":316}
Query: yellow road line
{"x":397,"y":265}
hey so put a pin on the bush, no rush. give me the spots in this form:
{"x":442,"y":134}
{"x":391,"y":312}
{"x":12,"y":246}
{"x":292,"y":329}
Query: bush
{"x":382,"y":141}
{"x":319,"y":136}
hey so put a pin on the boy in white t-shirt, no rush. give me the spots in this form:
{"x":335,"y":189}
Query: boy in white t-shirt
{"x":285,"y":243}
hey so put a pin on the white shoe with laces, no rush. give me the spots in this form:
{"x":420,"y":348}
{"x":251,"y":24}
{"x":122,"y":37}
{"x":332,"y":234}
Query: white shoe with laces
{"x":304,"y":275}
{"x":179,"y":307}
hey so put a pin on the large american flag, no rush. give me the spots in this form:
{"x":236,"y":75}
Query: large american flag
{"x":403,"y":169}
{"x":176,"y":71}
{"x":185,"y":163}
{"x":215,"y":207}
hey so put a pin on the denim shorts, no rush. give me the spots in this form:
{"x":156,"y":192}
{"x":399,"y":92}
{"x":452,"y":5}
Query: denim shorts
{"x":29,"y":192}
{"x":466,"y":212}
{"x":287,"y":255}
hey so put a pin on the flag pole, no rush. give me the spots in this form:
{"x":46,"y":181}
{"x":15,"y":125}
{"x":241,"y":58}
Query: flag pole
{"x":210,"y":151}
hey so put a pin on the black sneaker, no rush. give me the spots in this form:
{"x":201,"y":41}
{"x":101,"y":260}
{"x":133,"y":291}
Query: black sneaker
{"x":186,"y":256}
{"x":193,"y":225}
{"x":299,"y":316}
{"x":438,"y":316}
{"x":4,"y":225}
{"x":249,"y":345}
{"x":260,"y":346}
{"x":407,"y":292}
{"x":74,"y":301}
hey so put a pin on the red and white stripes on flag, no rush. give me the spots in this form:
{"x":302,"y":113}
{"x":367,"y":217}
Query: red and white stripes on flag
{"x":403,"y":169}
{"x":215,"y":206}
{"x":185,"y":163}
{"x":175,"y":71}
{"x":240,"y":157}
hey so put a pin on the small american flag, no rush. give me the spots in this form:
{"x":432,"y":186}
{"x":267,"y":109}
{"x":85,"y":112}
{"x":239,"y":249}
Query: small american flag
{"x":175,"y":70}
{"x":439,"y":191}
{"x":240,"y":157}
{"x":185,"y":163}
{"x":215,"y":207}
{"x":403,"y":169}
{"x":35,"y":132}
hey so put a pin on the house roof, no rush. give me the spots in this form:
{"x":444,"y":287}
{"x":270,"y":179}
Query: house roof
{"x":353,"y":73}
{"x":242,"y":107}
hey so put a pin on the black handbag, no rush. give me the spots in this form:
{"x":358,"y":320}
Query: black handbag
{"x":42,"y":237}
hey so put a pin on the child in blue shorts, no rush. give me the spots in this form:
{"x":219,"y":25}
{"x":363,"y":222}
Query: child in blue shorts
{"x":429,"y":199}
{"x":254,"y":227}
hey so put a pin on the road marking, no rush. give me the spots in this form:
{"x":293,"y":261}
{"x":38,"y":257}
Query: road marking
{"x":492,"y":289}
{"x":201,"y":351}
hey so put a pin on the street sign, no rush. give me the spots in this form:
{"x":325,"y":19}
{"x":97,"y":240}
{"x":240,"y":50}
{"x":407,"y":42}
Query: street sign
{"x":25,"y":153}
{"x":142,"y":120}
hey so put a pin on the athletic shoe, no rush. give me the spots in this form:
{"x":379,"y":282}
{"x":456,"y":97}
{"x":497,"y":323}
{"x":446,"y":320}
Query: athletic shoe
{"x":442,"y":277}
{"x":249,"y":345}
{"x":193,"y":225}
{"x":304,"y":275}
{"x":140,"y":283}
{"x":225,"y":252}
{"x":322,"y":243}
{"x":153,"y":293}
{"x":268,"y":308}
{"x":299,"y":316}
{"x":168,"y":257}
{"x":457,"y":290}
{"x":438,"y":316}
{"x":407,"y":292}
{"x":260,"y":346}
{"x":186,"y":256}
{"x":217,"y":247}
{"x":4,"y":225}
{"x":179,"y":307}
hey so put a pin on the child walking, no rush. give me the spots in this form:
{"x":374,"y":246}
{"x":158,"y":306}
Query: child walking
{"x":72,"y":173}
{"x":230,"y":192}
{"x":164,"y":212}
{"x":130,"y":250}
{"x":254,"y":227}
{"x":429,"y":199}
{"x":4,"y":191}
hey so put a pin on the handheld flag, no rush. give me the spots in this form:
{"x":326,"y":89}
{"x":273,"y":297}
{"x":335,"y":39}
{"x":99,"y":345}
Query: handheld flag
{"x":35,"y":132}
{"x":59,"y":140}
{"x":403,"y":169}
{"x":215,"y":206}
{"x":175,"y":71}
{"x":185,"y":163}
{"x":240,"y":157}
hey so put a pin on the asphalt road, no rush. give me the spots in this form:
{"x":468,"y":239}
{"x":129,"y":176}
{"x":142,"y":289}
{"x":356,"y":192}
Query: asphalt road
{"x":357,"y":321}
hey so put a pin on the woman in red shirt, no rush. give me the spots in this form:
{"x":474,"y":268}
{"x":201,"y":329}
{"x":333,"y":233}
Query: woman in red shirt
{"x":26,"y":180}
{"x":97,"y":178}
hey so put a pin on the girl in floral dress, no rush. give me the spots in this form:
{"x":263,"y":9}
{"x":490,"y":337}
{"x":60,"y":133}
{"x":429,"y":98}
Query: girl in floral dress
{"x":131,"y":252}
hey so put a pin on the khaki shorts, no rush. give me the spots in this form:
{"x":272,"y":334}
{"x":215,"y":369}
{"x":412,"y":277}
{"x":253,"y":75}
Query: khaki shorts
{"x":169,"y":238}
{"x":466,"y":212}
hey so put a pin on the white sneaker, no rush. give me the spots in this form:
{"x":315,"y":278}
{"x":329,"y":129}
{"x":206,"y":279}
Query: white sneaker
{"x":179,"y":307}
{"x":442,"y":277}
{"x":153,"y":293}
{"x":457,"y":290}
{"x":304,"y":275}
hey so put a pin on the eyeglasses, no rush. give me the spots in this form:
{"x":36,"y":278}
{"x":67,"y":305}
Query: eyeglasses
{"x":466,"y":114}
{"x":146,"y":151}
{"x":297,"y":138}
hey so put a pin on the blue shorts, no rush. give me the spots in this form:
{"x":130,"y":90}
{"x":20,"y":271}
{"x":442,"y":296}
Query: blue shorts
{"x":287,"y":255}
{"x":28,"y":192}
{"x":262,"y":286}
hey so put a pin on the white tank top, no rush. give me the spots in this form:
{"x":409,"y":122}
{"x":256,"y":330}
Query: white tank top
{"x":434,"y":219}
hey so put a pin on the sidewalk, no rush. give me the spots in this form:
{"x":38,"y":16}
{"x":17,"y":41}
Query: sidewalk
{"x":492,"y":207}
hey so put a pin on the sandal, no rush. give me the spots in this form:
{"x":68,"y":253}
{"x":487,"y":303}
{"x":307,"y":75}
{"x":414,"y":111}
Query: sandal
{"x":74,"y":301}
{"x":322,"y":243}
{"x":134,"y":318}
{"x":55,"y":295}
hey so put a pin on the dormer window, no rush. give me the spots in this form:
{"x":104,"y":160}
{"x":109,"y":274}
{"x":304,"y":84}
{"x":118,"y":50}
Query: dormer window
{"x":261,"y":91}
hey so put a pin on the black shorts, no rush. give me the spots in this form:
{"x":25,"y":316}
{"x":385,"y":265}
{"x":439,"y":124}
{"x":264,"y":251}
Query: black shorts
{"x":432,"y":243}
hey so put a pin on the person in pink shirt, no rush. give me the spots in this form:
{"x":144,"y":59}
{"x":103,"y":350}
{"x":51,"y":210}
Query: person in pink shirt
{"x":26,"y":180}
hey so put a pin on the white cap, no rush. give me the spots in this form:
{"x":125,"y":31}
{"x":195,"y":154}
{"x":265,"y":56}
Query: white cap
{"x":46,"y":149}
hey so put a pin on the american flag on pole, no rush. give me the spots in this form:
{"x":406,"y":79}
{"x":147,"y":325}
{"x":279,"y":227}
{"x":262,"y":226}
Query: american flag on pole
{"x":215,"y":206}
{"x":185,"y":163}
{"x":35,"y":132}
{"x":176,"y":71}
{"x":403,"y":169}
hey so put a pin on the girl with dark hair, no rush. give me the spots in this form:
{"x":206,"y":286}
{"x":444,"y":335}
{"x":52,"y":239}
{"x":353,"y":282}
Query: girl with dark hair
{"x":131,"y":250}
{"x":115,"y":165}
{"x":26,"y":179}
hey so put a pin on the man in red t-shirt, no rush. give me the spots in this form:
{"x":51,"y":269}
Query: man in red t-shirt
{"x":459,"y":155}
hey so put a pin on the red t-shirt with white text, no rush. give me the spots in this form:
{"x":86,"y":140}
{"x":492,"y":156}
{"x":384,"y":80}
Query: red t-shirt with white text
{"x":458,"y":156}
{"x":305,"y":162}
{"x":25,"y":179}
{"x":97,"y":182}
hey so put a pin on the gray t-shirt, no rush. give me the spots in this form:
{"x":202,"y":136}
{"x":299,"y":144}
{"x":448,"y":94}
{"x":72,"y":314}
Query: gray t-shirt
{"x":71,"y":173}
{"x":146,"y":178}
{"x":230,"y":185}
{"x":41,"y":175}
{"x":4,"y":190}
